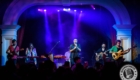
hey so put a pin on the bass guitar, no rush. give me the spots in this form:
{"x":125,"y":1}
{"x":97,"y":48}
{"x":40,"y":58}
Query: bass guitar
{"x":13,"y":55}
{"x":120,"y":53}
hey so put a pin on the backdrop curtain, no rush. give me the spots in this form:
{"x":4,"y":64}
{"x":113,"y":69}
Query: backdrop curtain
{"x":113,"y":36}
{"x":22,"y":23}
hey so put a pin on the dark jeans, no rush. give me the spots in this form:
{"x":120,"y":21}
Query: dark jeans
{"x":119,"y":61}
{"x":13,"y":61}
{"x":72,"y":56}
{"x":101,"y":61}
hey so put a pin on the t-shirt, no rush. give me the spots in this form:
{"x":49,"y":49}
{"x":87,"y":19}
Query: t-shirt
{"x":101,"y":50}
{"x":116,"y":49}
{"x":13,"y":48}
{"x":76,"y":50}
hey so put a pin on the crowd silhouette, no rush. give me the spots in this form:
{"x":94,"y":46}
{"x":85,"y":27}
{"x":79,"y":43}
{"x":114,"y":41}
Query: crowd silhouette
{"x":47,"y":70}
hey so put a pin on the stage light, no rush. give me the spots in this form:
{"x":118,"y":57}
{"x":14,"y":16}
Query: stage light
{"x":39,"y":9}
{"x":92,"y":7}
{"x":58,"y":10}
{"x":45,"y":10}
{"x":64,"y":9}
{"x":81,"y":11}
{"x":75,"y":10}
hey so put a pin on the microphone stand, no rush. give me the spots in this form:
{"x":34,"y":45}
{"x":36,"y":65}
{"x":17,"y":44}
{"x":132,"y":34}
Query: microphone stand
{"x":54,"y":46}
{"x":51,"y":55}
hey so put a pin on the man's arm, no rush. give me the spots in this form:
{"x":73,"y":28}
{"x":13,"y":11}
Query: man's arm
{"x":35,"y":52}
{"x":126,"y":51}
{"x":8,"y":50}
{"x":111,"y":50}
{"x":97,"y":52}
{"x":26,"y":52}
{"x":79,"y":48}
{"x":17,"y":51}
{"x":71,"y":48}
{"x":35,"y":55}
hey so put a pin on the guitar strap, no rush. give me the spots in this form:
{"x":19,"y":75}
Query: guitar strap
{"x":15,"y":48}
{"x":8,"y":56}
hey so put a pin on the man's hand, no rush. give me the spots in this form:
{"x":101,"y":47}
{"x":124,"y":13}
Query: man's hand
{"x":11,"y":53}
{"x":75,"y":47}
{"x":128,"y":50}
{"x":15,"y":52}
{"x":105,"y":53}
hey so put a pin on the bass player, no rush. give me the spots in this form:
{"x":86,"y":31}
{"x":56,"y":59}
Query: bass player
{"x":117,"y":48}
{"x":13,"y":51}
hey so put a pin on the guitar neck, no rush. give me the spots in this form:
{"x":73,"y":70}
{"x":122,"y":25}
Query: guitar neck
{"x":129,"y":49}
{"x":107,"y":51}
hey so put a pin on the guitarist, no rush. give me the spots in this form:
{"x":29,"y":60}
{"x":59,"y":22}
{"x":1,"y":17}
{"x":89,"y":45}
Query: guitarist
{"x":12,"y":51}
{"x":116,"y":48}
{"x":101,"y":54}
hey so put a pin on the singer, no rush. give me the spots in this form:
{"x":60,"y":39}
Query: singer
{"x":31,"y":52}
{"x":74,"y":50}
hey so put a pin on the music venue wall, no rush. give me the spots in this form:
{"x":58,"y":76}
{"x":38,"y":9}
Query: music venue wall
{"x":91,"y":27}
{"x":133,"y":10}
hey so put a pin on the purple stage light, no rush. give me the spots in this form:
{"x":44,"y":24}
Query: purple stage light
{"x":68,"y":9}
{"x":64,"y":9}
{"x":81,"y":11}
{"x":58,"y":10}
{"x":45,"y":10}
{"x":93,"y":7}
{"x":39,"y":10}
{"x":75,"y":10}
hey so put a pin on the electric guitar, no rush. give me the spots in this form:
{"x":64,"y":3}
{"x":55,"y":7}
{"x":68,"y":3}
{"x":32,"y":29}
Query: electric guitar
{"x":13,"y":55}
{"x":102,"y":55}
{"x":120,"y":53}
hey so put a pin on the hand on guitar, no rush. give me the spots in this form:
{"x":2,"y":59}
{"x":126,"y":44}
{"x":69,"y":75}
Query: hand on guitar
{"x":11,"y":53}
{"x":15,"y":53}
{"x":105,"y":54}
{"x":128,"y":49}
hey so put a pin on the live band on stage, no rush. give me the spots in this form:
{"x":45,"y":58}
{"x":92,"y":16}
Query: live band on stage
{"x":101,"y":56}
